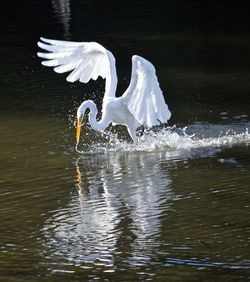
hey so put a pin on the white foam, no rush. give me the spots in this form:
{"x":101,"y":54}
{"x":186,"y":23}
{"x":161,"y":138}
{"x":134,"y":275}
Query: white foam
{"x":195,"y":136}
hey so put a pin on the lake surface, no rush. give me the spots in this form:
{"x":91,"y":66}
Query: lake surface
{"x":174,"y":207}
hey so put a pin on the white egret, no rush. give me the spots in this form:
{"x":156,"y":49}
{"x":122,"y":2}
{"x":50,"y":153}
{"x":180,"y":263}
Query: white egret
{"x":142,"y":104}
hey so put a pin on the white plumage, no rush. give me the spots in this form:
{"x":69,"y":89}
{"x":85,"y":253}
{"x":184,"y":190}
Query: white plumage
{"x":142,"y":104}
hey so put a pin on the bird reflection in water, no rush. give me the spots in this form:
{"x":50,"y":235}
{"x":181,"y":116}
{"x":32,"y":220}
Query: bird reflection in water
{"x":63,"y":14}
{"x":118,"y":211}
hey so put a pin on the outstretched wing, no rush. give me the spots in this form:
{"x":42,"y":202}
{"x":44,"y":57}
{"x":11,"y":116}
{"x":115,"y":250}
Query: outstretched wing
{"x":144,"y":96}
{"x":86,"y":60}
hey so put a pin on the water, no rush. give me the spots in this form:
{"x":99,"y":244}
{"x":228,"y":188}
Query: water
{"x":173,"y":207}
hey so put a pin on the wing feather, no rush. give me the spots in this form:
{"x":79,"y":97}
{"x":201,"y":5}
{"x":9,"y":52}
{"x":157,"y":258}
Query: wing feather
{"x":64,"y":68}
{"x":144,"y":96}
{"x":86,"y":60}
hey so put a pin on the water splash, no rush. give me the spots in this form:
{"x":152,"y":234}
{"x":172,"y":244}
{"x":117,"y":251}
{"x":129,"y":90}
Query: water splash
{"x":195,"y":136}
{"x":205,"y":263}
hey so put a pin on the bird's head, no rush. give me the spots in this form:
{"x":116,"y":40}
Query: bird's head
{"x":80,"y":114}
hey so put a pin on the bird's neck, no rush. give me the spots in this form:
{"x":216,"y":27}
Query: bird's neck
{"x":96,"y":125}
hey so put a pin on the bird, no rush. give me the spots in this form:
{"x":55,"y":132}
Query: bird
{"x":141,"y":105}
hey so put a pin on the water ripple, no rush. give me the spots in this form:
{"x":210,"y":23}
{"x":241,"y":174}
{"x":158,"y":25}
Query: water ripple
{"x":206,"y":263}
{"x":113,"y":210}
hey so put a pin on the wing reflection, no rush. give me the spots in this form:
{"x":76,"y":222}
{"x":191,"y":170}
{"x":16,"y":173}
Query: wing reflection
{"x":62,"y":12}
{"x":118,"y":212}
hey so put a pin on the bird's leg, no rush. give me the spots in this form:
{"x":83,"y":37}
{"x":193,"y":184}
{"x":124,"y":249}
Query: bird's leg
{"x":132,"y":133}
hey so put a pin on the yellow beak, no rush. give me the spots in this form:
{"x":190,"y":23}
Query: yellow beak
{"x":78,"y":129}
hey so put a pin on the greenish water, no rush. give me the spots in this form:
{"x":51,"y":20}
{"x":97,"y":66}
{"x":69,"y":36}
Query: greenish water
{"x":175,"y":207}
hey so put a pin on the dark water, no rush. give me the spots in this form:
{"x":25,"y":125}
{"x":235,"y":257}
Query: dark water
{"x":175,"y":207}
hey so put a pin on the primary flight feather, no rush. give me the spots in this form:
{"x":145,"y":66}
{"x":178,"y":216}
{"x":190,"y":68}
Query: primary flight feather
{"x":142,"y":104}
